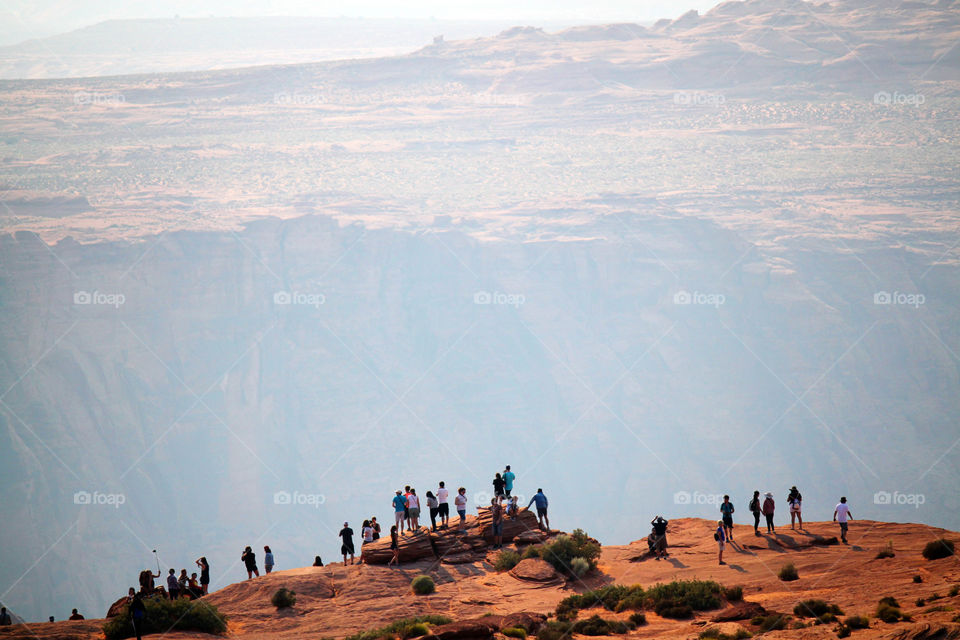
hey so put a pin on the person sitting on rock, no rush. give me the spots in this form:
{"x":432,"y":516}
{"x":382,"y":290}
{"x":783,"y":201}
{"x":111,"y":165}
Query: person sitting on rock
{"x":542,"y":503}
{"x":183,"y":582}
{"x":76,"y":616}
{"x":193,"y":587}
{"x":513,"y":509}
{"x":146,"y":581}
{"x":317,"y":562}
{"x":5,"y":619}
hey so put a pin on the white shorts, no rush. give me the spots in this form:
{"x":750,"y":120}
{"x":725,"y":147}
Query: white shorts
{"x":400,"y":516}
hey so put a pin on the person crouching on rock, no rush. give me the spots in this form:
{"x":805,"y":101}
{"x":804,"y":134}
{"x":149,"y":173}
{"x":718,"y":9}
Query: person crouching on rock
{"x":346,"y":534}
{"x":250,"y":562}
{"x":513,"y":509}
{"x":659,"y":525}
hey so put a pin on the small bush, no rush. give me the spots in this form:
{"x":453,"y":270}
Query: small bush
{"x":698,"y":595}
{"x":638,"y":618}
{"x":920,"y":602}
{"x":889,"y":613}
{"x":515,"y":632}
{"x":733,"y":594}
{"x":788,"y":573}
{"x":555,"y":630}
{"x":611,"y":597}
{"x":937,"y":549}
{"x":886,"y":552}
{"x":917,"y":579}
{"x":772,"y":622}
{"x":402,"y":628}
{"x":843,"y":631}
{"x":857,"y":622}
{"x":826,"y":618}
{"x":815,"y":609}
{"x":579,"y":567}
{"x":954,"y":591}
{"x":672,"y":609}
{"x":423,"y":585}
{"x":506,"y":560}
{"x":416,"y":630}
{"x":714,"y":634}
{"x":562,"y":550}
{"x":597,"y":626}
{"x":283,"y":598}
{"x":162,"y":616}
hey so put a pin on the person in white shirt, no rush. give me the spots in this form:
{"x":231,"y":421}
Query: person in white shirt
{"x":413,"y":504}
{"x":841,"y":515}
{"x":444,"y":513}
{"x":461,"y":503}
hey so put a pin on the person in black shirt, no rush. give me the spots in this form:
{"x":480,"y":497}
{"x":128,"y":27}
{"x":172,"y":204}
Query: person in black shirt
{"x":250,"y":561}
{"x":660,"y":533}
{"x":137,"y":612}
{"x":317,"y":562}
{"x":346,"y":534}
{"x":204,"y":574}
{"x":498,"y":485}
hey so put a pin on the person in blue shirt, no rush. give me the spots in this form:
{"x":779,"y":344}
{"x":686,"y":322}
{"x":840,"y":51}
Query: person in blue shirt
{"x":541,"y":501}
{"x":399,"y":509}
{"x":508,"y":478}
{"x":721,"y":537}
{"x":727,"y":509}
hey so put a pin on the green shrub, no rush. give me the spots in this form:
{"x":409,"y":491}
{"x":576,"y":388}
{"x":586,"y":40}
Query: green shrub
{"x":715,"y":634}
{"x":698,"y":595}
{"x":954,"y":591}
{"x":283,"y":597}
{"x":638,"y":618}
{"x":579,"y":567}
{"x":611,"y":597}
{"x":826,"y":618}
{"x":772,"y":622}
{"x":423,"y":585}
{"x":788,"y":573}
{"x":886,"y":552}
{"x":597,"y":626}
{"x":506,"y":560}
{"x":889,"y":613}
{"x":162,"y":616}
{"x":937,"y":549}
{"x":918,"y":579}
{"x":815,"y":609}
{"x":938,"y":608}
{"x":857,"y":622}
{"x":416,"y":630}
{"x":561,"y":551}
{"x":843,"y":631}
{"x":554,"y":630}
{"x":402,"y":628}
{"x":672,"y":609}
{"x":515,"y":632}
{"x":733,"y":594}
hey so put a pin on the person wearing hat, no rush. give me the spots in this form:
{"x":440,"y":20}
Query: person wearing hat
{"x":346,"y":534}
{"x":399,"y":509}
{"x":768,"y":509}
{"x":794,"y":499}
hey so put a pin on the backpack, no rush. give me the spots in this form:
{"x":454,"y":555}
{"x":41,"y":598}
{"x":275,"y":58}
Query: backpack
{"x":754,"y":505}
{"x":716,"y":536}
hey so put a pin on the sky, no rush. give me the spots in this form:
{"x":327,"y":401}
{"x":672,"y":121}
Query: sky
{"x":24,"y":19}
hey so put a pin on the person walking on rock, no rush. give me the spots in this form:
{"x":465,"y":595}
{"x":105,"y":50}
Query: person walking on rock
{"x":754,"y":507}
{"x":137,"y":612}
{"x":794,"y":500}
{"x":394,"y":546}
{"x":413,"y":506}
{"x":542,"y":503}
{"x":496,"y":510}
{"x":727,"y":509}
{"x":461,"y":503}
{"x":346,"y":548}
{"x":250,"y":562}
{"x":768,"y":508}
{"x":444,"y":507}
{"x":434,"y":508}
{"x":720,"y":535}
{"x":841,"y":515}
{"x":497,"y":485}
{"x":399,"y":509}
{"x":508,"y":478}
{"x":267,"y":559}
{"x":659,"y":525}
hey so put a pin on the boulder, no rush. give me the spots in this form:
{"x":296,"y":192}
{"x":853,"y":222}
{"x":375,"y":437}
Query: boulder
{"x":116,"y":607}
{"x":534,"y":570}
{"x":479,"y":629}
{"x":524,"y":620}
{"x":415,"y":546}
{"x":744,"y":610}
{"x":533,"y":536}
